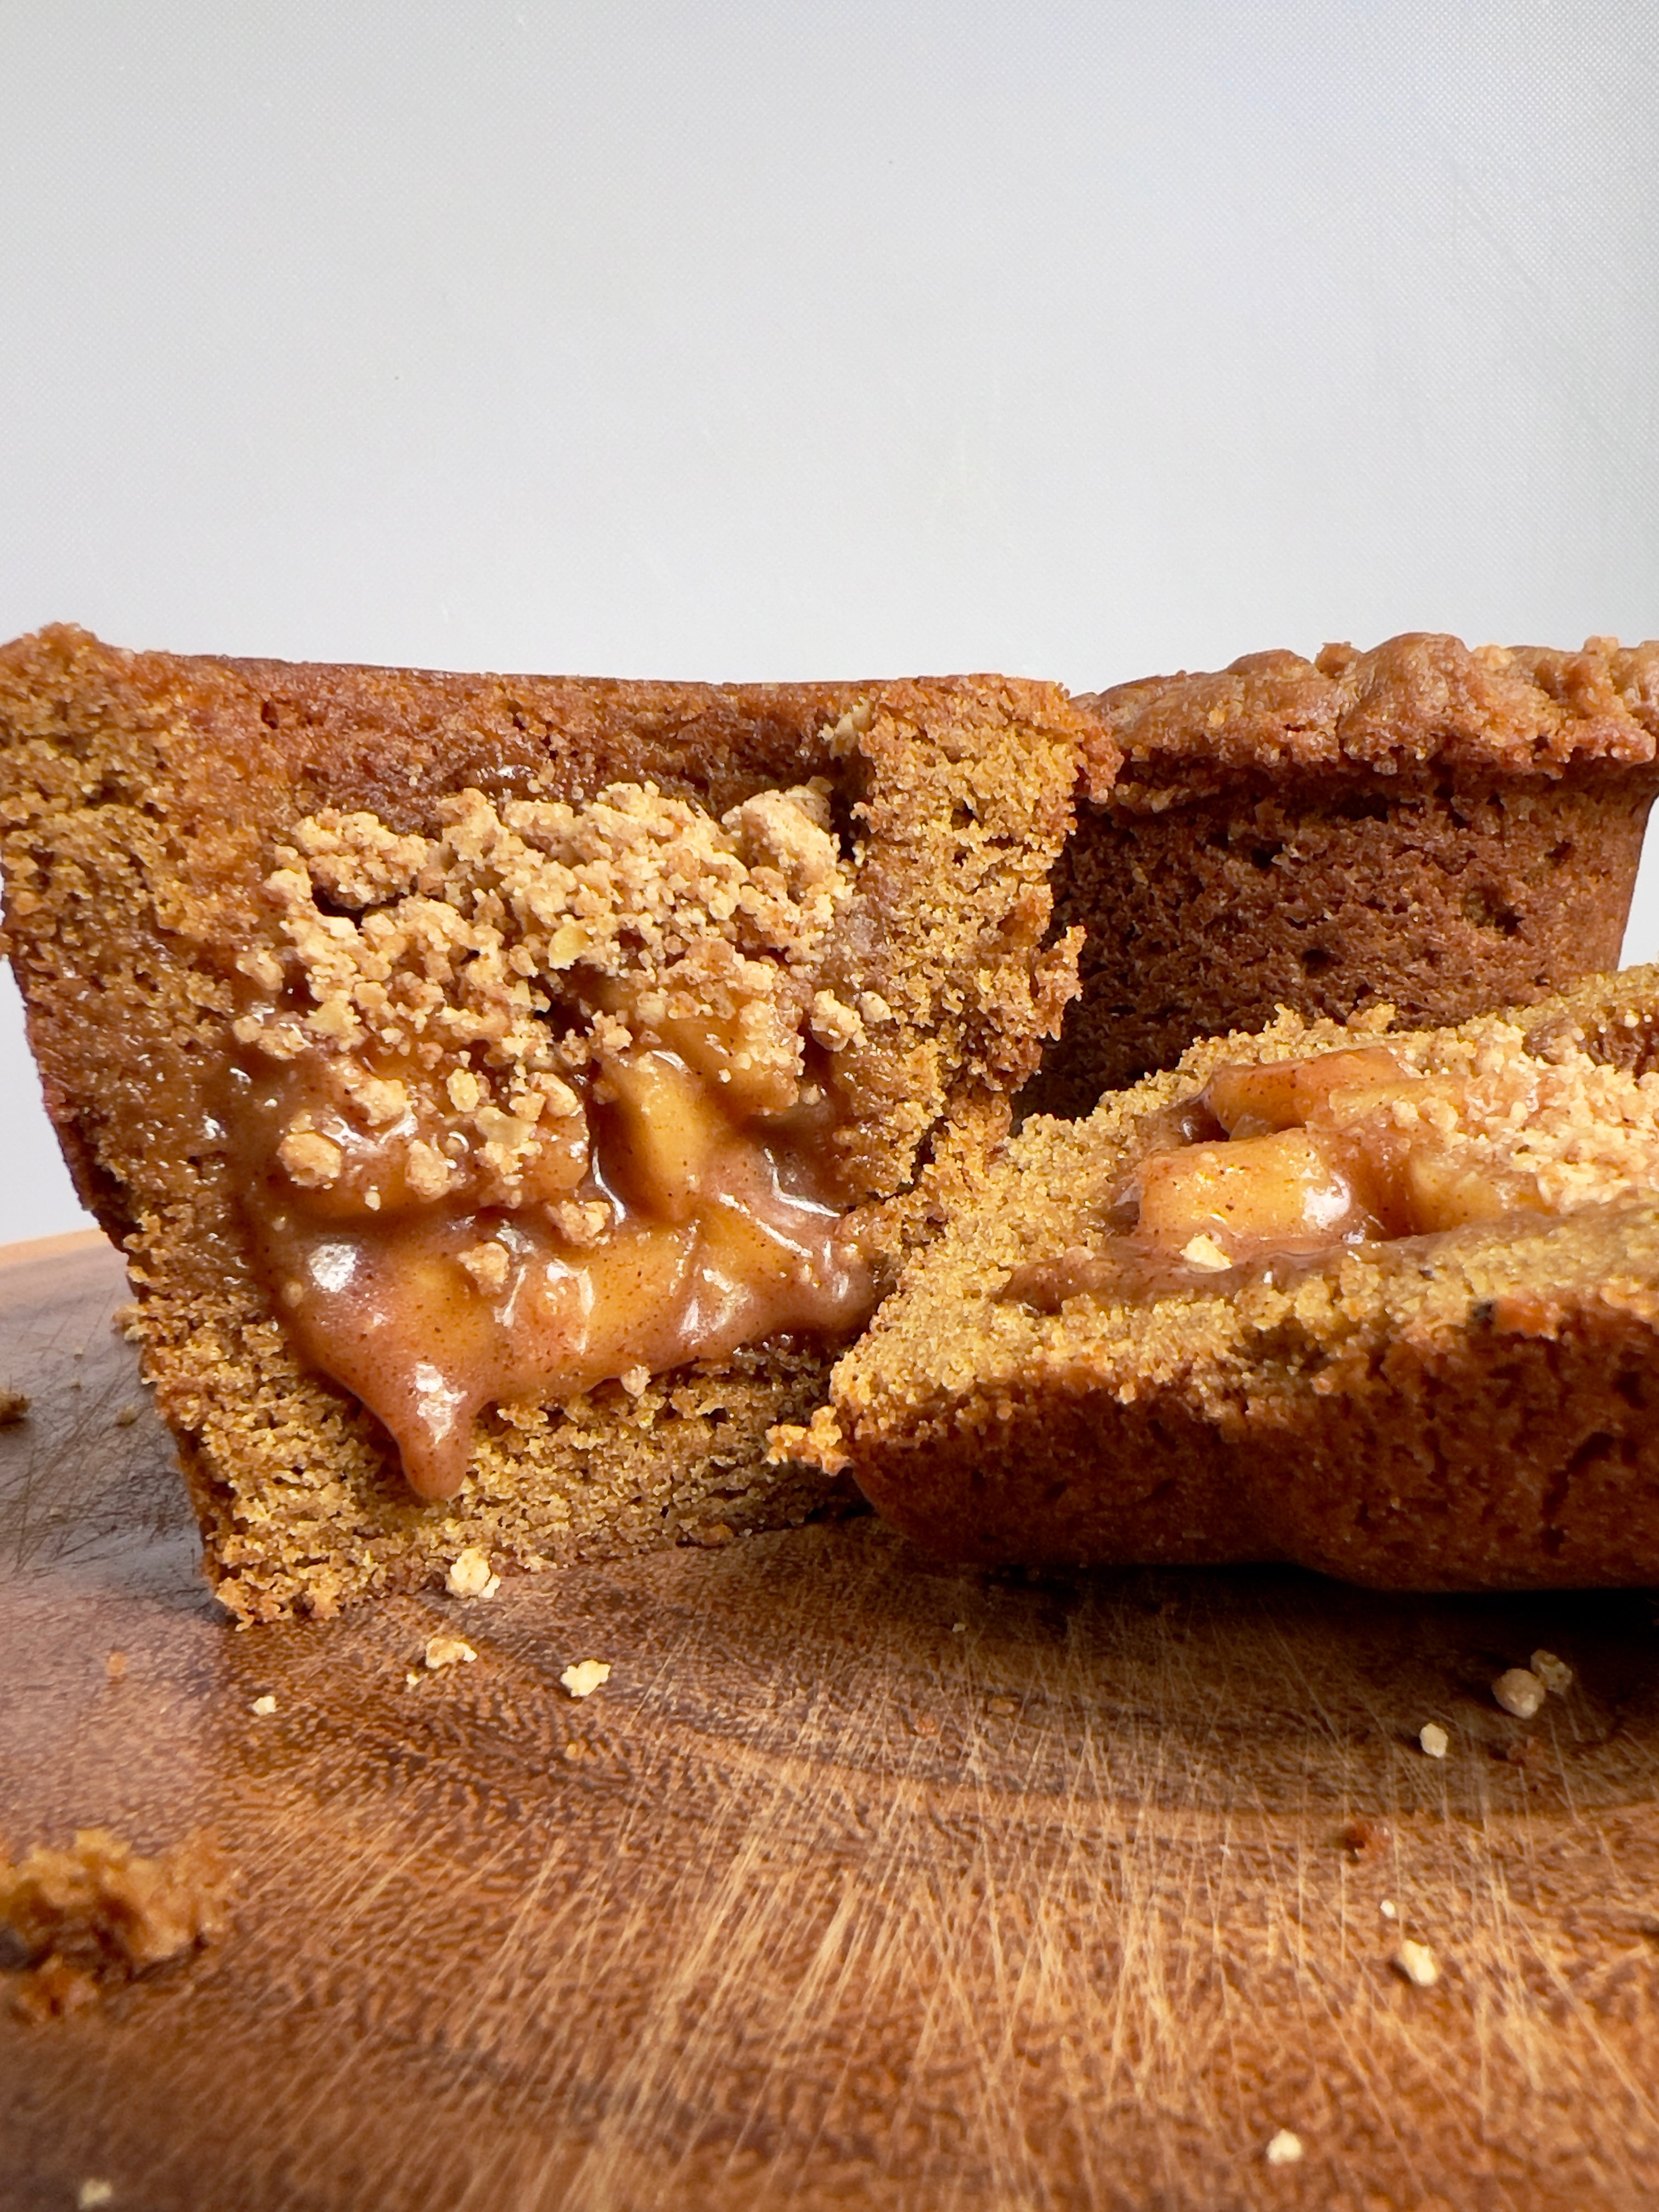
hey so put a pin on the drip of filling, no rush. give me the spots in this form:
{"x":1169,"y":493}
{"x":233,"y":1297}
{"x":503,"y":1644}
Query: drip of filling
{"x":1285,"y":1161}
{"x":552,"y":1108}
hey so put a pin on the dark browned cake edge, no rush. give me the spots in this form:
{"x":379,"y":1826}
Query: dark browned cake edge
{"x":141,"y":796}
{"x":1444,"y":829}
{"x":1474,"y":1411}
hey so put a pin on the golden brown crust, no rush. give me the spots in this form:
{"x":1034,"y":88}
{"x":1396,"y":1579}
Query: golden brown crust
{"x":145,"y":795}
{"x":1440,"y":828}
{"x":1420,"y":698}
{"x":1474,"y":1410}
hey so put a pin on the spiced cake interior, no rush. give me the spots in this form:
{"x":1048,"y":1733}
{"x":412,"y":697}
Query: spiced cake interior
{"x":514,"y":1095}
{"x":1378,"y":1300}
{"x":511,"y":1092}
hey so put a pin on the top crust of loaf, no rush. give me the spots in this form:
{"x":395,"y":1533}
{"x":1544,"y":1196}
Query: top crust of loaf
{"x":1420,"y":698}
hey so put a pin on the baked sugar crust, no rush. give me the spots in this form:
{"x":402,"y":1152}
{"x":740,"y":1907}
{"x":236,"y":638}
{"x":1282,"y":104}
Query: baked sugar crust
{"x":1438,"y":828}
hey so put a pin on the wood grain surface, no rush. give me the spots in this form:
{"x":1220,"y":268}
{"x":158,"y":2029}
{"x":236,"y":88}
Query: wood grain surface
{"x":861,"y":1883}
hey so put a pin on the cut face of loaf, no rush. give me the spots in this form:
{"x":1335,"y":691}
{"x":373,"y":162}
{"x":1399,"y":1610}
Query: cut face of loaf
{"x":511,"y":1091}
{"x":1381,"y":1301}
{"x":1440,"y":828}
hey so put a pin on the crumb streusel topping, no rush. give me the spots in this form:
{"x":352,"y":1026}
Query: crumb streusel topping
{"x":538,"y":1102}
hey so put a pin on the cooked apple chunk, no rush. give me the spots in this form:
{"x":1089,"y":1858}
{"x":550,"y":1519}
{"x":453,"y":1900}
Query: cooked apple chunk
{"x":520,"y":1140}
{"x":1350,"y":1145}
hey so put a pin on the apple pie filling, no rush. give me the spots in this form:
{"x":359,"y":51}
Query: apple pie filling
{"x":1281,"y":1162}
{"x":545,"y":1101}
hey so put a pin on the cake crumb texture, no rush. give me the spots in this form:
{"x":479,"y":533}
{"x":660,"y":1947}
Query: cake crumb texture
{"x":1553,"y":1672}
{"x":453,"y":940}
{"x":1440,"y":828}
{"x":148,"y":802}
{"x":1417,"y":1964}
{"x":84,"y":1920}
{"x":1520,"y":1692}
{"x":1468,"y":1409}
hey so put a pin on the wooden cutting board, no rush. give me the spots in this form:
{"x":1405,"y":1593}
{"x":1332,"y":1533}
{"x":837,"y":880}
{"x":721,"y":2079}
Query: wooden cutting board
{"x":861,"y":1882}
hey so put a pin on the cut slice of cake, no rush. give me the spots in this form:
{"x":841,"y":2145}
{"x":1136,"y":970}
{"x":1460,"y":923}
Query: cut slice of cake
{"x":511,"y":1091}
{"x":1381,"y":1301}
{"x":1445,"y":829}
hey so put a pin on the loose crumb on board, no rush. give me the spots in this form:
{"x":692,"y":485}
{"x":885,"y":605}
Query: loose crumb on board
{"x":94,"y":2192}
{"x":86,"y":1919}
{"x":1519,"y":1691}
{"x":115,"y":1665}
{"x":1434,"y":1739}
{"x":1418,"y":1963}
{"x":1554,"y":1674}
{"x":1388,"y":1909}
{"x":126,"y":1416}
{"x":14,"y":1406}
{"x":266,"y":1704}
{"x":1284,"y":2148}
{"x":470,"y":1576}
{"x":582,"y":1679}
{"x":447,"y":1651}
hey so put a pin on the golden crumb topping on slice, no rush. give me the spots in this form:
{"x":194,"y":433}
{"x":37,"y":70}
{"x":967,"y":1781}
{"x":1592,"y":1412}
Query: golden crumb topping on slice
{"x":527,"y":945}
{"x":1423,"y":696}
{"x":541,"y":1101}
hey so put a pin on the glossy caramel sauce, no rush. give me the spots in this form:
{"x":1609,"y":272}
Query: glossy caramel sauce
{"x":429,"y":1308}
{"x":541,"y":1101}
{"x":1272,"y":1170}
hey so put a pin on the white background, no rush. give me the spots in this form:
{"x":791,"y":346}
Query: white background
{"x":773,"y":340}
